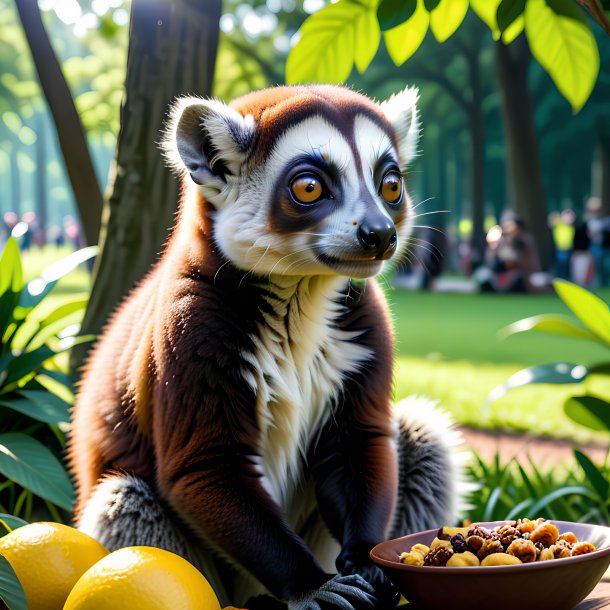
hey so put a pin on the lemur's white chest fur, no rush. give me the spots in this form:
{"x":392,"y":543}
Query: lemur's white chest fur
{"x":300,"y":362}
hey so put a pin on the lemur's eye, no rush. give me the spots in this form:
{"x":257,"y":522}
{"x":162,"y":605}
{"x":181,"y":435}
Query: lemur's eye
{"x":306,"y":188}
{"x":391,"y":187}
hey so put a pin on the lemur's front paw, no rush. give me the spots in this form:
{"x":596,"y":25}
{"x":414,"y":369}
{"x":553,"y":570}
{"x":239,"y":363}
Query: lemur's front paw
{"x":349,"y":592}
{"x":386,"y":593}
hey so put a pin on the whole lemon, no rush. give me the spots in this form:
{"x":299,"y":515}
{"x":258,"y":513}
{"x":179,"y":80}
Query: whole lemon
{"x":142,"y":578}
{"x":48,"y":559}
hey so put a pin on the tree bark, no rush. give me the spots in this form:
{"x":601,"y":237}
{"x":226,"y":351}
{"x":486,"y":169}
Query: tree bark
{"x":172,"y":51}
{"x":523,"y":160}
{"x":70,"y":133}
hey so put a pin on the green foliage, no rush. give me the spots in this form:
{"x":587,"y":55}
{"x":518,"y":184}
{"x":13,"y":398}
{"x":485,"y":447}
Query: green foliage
{"x":590,"y":411}
{"x":11,"y":591}
{"x":33,"y":393}
{"x":347,"y":34}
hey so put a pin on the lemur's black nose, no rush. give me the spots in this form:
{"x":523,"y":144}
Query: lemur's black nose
{"x":378,"y":237}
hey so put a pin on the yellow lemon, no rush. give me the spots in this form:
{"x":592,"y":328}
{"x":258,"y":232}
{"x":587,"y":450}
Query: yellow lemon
{"x":48,"y":559}
{"x":142,"y":578}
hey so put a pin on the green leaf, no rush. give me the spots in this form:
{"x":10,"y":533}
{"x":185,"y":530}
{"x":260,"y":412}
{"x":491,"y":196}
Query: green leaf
{"x":487,"y":11}
{"x":556,"y":373}
{"x":11,"y":270}
{"x":548,"y":323}
{"x":366,"y":39}
{"x":562,"y":492}
{"x":11,"y":591}
{"x":26,"y":461}
{"x":391,"y":13}
{"x":25,"y":365}
{"x":431,"y":4}
{"x":328,"y":47}
{"x":520,"y":509}
{"x":402,"y":41}
{"x":588,"y":308}
{"x":10,"y":522}
{"x":446,"y":18}
{"x":508,"y":12}
{"x":594,"y":476}
{"x":39,"y":405}
{"x":589,"y":411}
{"x":562,"y":42}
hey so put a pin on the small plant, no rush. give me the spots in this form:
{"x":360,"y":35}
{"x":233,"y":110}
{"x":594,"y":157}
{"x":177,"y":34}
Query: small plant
{"x":35,"y":394}
{"x":589,"y":410}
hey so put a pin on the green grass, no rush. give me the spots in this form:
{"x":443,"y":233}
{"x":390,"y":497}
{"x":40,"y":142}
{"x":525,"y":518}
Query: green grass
{"x":448,"y":349}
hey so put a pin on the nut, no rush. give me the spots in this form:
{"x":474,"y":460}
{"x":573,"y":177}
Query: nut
{"x":463,"y":559}
{"x":445,"y":533}
{"x":489,"y":547}
{"x":525,"y":526}
{"x":474,"y":543}
{"x":412,"y":559}
{"x":507,"y":534}
{"x":582,"y":548}
{"x":546,"y":555}
{"x":458,"y":542}
{"x":438,"y":542}
{"x":500,"y":559}
{"x":525,"y":550}
{"x":568,"y":537}
{"x":483,"y":532}
{"x":546,"y":532}
{"x":438,"y":556}
{"x":559,"y":551}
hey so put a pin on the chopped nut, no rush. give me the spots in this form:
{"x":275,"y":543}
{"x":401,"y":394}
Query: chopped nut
{"x":582,"y":548}
{"x":412,"y":559}
{"x":500,"y":559}
{"x":568,"y":537}
{"x":438,"y":556}
{"x":463,"y":559}
{"x":546,"y":532}
{"x":546,"y":555}
{"x":525,"y":550}
{"x":489,"y":547}
{"x":507,"y":534}
{"x":474,"y":543}
{"x":483,"y":532}
{"x":559,"y":551}
{"x":525,"y":526}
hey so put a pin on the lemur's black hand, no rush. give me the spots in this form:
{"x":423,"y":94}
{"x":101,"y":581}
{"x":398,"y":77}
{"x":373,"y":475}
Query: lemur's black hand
{"x":350,"y":592}
{"x":386,"y":593}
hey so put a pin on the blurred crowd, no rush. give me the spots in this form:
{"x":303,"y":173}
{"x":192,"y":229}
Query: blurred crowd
{"x":29,"y":231}
{"x":509,"y":261}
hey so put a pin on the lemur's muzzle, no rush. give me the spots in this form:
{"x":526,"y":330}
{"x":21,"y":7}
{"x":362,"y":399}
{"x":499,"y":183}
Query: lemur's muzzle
{"x":378,"y":237}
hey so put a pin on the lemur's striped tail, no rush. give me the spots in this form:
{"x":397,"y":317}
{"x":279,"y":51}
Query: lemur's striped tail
{"x":431,"y":470}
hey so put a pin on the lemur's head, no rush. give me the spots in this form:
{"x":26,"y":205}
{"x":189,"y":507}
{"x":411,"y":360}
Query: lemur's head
{"x":303,"y":180}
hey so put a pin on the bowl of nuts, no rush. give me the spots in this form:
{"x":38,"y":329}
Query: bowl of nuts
{"x":505,"y":565}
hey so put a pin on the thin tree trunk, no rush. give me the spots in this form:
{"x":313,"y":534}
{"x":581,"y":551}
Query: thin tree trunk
{"x":604,"y":148}
{"x":523,"y":160}
{"x":72,"y":140}
{"x":172,"y":51}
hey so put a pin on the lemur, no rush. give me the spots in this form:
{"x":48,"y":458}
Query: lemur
{"x":237,"y":408}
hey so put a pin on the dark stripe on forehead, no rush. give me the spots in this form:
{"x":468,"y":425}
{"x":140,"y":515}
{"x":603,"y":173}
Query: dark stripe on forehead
{"x":277,"y":110}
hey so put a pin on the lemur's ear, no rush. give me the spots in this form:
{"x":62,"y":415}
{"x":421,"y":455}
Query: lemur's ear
{"x":207,"y":139}
{"x":401,"y":110}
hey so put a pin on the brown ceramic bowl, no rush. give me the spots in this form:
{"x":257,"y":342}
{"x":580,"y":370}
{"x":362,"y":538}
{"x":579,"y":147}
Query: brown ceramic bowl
{"x":547,"y":585}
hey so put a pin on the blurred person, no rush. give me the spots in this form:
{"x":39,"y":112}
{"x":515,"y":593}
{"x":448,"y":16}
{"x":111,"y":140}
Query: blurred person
{"x":562,"y":229}
{"x":582,"y":266}
{"x":598,"y":231}
{"x":512,"y":264}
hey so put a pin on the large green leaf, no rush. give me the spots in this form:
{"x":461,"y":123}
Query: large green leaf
{"x":589,"y":411}
{"x":39,"y":405}
{"x":11,"y":284}
{"x":446,"y":18}
{"x":402,"y":41}
{"x":391,"y":13}
{"x":29,"y":463}
{"x":561,"y":492}
{"x":25,"y":365}
{"x":332,"y":39}
{"x":487,"y":10}
{"x":548,"y":323}
{"x":596,"y":478}
{"x":562,"y":42}
{"x":9,"y":523}
{"x":11,"y":591}
{"x":508,"y":12}
{"x":555,"y":373}
{"x":588,"y":308}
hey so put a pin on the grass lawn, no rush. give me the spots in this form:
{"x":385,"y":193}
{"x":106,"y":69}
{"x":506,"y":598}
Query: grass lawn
{"x":448,"y":349}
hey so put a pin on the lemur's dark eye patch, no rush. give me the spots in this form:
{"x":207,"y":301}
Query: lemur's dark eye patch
{"x":391,"y":187}
{"x":306,"y":188}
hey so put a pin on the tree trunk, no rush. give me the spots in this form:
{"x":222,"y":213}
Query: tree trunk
{"x":523,"y":160}
{"x":72,"y":140}
{"x":604,"y":187}
{"x":477,"y":167}
{"x":172,"y":51}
